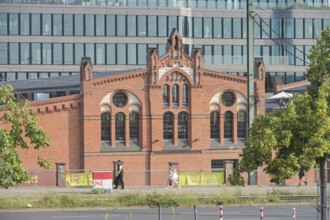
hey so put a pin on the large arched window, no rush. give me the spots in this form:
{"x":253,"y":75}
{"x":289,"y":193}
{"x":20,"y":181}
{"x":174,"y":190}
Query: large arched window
{"x":166,"y":95}
{"x":134,"y":126}
{"x":214,"y":125}
{"x":228,"y":125}
{"x":120,"y":127}
{"x":175,"y":95}
{"x":241,"y":124}
{"x":185,"y":94}
{"x":183,"y":125}
{"x":168,"y":126}
{"x":105,"y":126}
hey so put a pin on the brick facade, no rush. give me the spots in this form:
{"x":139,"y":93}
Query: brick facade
{"x":73,"y":123}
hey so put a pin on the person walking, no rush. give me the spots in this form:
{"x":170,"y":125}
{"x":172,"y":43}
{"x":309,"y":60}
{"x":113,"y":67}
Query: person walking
{"x":302,"y":176}
{"x":175,"y":178}
{"x":120,"y":175}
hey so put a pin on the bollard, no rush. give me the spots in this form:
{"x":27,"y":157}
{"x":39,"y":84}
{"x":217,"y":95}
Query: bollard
{"x":159,"y":212}
{"x":195,"y":211}
{"x":221,"y":213}
{"x":261,"y":213}
{"x":294,"y":214}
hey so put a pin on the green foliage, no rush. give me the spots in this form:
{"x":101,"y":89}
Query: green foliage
{"x":299,"y":136}
{"x":236,"y":179}
{"x":18,"y":125}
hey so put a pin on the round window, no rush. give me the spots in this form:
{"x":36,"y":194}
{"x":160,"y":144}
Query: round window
{"x":119,"y":99}
{"x":228,"y":98}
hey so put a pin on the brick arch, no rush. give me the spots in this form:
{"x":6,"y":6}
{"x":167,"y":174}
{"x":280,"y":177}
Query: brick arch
{"x":178,"y":70}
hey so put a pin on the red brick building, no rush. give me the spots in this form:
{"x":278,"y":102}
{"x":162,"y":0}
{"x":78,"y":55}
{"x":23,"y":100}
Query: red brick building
{"x":172,"y":111}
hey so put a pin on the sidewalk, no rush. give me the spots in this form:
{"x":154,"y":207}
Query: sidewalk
{"x":247,"y":190}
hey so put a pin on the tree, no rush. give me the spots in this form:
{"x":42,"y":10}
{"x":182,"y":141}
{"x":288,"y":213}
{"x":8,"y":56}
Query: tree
{"x":298,"y":136}
{"x":17,"y":126}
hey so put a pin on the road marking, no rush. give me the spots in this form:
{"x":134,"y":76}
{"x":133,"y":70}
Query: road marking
{"x":81,"y":216}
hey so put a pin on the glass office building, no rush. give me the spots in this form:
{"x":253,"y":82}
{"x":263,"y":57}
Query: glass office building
{"x":45,"y":38}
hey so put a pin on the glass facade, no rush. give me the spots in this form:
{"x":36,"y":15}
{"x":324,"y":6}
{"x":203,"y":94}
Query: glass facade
{"x":121,"y":39}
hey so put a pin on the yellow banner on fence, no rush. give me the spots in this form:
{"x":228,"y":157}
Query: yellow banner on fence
{"x":79,"y":179}
{"x":203,"y":178}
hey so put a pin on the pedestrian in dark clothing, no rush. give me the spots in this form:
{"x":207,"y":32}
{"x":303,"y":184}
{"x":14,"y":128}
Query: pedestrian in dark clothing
{"x":302,"y":176}
{"x":120,"y":175}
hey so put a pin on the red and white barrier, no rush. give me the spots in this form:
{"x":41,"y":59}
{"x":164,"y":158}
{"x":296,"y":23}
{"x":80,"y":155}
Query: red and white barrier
{"x":294,"y":214}
{"x":221,"y":213}
{"x":261,"y":213}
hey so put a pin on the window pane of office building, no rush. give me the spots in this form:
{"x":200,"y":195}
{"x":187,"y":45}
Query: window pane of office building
{"x":299,"y":55}
{"x":208,"y":30}
{"x":276,"y":28}
{"x":3,"y":53}
{"x":111,"y":25}
{"x":100,"y":25}
{"x":3,"y":24}
{"x":237,"y":56}
{"x":68,"y":25}
{"x":25,"y":53}
{"x":162,"y":26}
{"x":237,"y":31}
{"x":308,"y":28}
{"x":78,"y":53}
{"x":111,"y":54}
{"x":58,"y":54}
{"x":57,"y":26}
{"x":152,"y":26}
{"x":78,"y":25}
{"x":131,"y":54}
{"x":227,"y":28}
{"x":121,"y":53}
{"x":161,"y":49}
{"x":24,"y":24}
{"x":288,"y":28}
{"x":121,"y":25}
{"x":131,"y":25}
{"x":100,"y":53}
{"x":142,"y":29}
{"x":89,"y":22}
{"x":142,"y":50}
{"x":207,"y":54}
{"x":46,"y":53}
{"x":218,"y":55}
{"x":299,"y":28}
{"x":13,"y":24}
{"x":197,"y":27}
{"x":46,"y":24}
{"x":90,"y":52}
{"x":227,"y":53}
{"x":35,"y":27}
{"x":36,"y":53}
{"x":172,"y":23}
{"x":266,"y":29}
{"x":21,"y":76}
{"x":68,"y":53}
{"x":217,"y":27}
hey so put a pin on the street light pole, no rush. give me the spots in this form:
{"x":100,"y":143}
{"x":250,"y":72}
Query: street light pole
{"x":250,"y":61}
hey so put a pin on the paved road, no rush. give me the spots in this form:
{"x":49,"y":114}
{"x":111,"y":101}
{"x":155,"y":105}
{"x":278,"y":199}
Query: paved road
{"x":277,"y":212}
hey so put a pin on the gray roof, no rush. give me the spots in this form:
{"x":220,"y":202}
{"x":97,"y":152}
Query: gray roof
{"x":60,"y":83}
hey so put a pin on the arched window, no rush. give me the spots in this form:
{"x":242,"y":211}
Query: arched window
{"x":134,"y":126}
{"x":183,"y":125}
{"x":175,"y":95}
{"x":105,"y":126}
{"x":228,"y":125}
{"x":168,"y":126}
{"x":166,"y":95}
{"x":214,"y":125}
{"x":120,"y":127}
{"x":241,"y":124}
{"x":185,"y":94}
